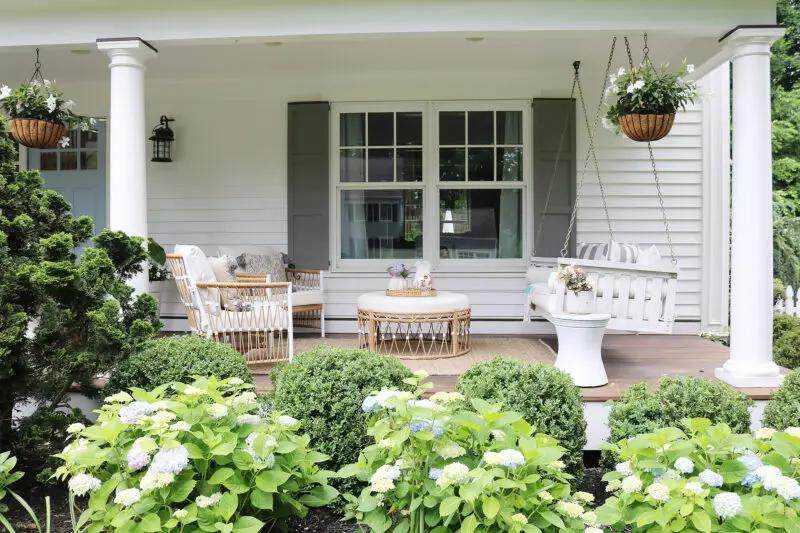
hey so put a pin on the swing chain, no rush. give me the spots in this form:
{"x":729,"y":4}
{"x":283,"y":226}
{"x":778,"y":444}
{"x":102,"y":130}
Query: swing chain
{"x":37,"y":71}
{"x":576,"y":65}
{"x":591,"y":151}
{"x":673,"y":259}
{"x":628,"y":49}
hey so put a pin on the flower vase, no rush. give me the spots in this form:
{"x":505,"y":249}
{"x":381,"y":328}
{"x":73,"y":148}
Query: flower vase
{"x":581,"y":303}
{"x":397,"y":283}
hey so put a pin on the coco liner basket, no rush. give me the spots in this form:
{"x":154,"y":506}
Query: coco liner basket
{"x":646,"y":128}
{"x":35,"y":133}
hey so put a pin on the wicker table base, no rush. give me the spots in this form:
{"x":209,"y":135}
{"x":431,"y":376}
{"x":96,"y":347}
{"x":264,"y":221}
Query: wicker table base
{"x":415,"y":335}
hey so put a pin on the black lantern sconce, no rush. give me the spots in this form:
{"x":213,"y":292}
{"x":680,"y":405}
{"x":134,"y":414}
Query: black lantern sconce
{"x":162,"y":138}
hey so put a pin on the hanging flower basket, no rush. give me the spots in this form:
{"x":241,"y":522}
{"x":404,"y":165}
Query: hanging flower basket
{"x":39,"y":115}
{"x":645,"y":127}
{"x":35,"y":133}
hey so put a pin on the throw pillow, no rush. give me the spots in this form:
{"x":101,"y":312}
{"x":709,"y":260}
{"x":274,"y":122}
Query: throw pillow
{"x":623,"y":253}
{"x":595,"y":251}
{"x":649,"y":256}
{"x":224,"y":269}
{"x":269,"y":265}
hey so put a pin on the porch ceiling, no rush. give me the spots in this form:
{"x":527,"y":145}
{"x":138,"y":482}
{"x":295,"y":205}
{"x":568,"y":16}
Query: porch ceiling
{"x":547,"y":51}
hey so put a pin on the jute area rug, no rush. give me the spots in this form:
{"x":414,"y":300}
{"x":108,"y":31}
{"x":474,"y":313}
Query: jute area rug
{"x":484,"y":348}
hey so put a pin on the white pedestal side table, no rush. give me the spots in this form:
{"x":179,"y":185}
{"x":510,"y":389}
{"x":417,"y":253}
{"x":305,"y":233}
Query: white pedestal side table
{"x":580,"y":338}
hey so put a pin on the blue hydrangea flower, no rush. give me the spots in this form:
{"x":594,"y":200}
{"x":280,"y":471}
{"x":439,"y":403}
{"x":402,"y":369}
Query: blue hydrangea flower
{"x":434,"y":473}
{"x":369,"y":404}
{"x":435,"y":426}
{"x":130,"y":414}
{"x":170,"y":460}
{"x":752,"y":462}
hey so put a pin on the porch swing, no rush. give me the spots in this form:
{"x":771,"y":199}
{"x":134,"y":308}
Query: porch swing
{"x":639,"y":297}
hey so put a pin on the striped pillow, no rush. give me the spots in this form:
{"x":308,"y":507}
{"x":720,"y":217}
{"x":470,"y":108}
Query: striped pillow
{"x":597,"y":251}
{"x":623,"y":253}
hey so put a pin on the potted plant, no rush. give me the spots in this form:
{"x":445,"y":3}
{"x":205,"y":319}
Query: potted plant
{"x":39,"y":115}
{"x":398,"y":273}
{"x":579,"y":299}
{"x":157,"y":271}
{"x":647,"y":99}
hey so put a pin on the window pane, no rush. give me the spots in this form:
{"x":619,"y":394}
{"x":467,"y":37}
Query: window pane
{"x":385,"y":224}
{"x":89,"y":139}
{"x":380,"y":165}
{"x":480,"y":224}
{"x":69,"y":161}
{"x":451,"y":128}
{"x":452,"y":164}
{"x":509,"y":127}
{"x":409,"y":164}
{"x":89,"y":160}
{"x":352,"y":166}
{"x":481,"y":164}
{"x":73,"y":140}
{"x":351,"y":129}
{"x":48,"y":161}
{"x":509,"y":164}
{"x":481,"y":127}
{"x":380,"y":129}
{"x":409,"y":129}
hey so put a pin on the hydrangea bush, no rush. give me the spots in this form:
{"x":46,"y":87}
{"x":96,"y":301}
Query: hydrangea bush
{"x":437,"y":466}
{"x":198,"y":457}
{"x":705,"y":479}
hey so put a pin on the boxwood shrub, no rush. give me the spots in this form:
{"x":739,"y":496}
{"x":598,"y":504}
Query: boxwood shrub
{"x":325,"y":387}
{"x":177,"y":358}
{"x":783,"y":409}
{"x":644,"y":411}
{"x":783,"y":324}
{"x":544,"y":395}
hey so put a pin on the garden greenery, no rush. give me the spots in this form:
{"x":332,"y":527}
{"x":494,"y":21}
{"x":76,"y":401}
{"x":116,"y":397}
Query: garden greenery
{"x":783,"y":408}
{"x":202,"y":459}
{"x":177,"y":358}
{"x":706,"y":479}
{"x":42,"y":100}
{"x":7,"y":477}
{"x":545,"y":396}
{"x":436,"y":466}
{"x":648,"y":90}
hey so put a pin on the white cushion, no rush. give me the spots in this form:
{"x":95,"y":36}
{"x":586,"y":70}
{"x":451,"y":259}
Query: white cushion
{"x":536,"y":274}
{"x":199,"y":269}
{"x":649,"y":256}
{"x":441,"y":303}
{"x":307,"y":298}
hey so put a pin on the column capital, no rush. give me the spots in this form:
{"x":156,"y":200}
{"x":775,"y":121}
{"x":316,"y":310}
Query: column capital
{"x":127,"y":51}
{"x":751,"y":40}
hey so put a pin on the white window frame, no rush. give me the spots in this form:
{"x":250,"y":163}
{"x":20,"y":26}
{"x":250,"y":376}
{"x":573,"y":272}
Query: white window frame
{"x":430,"y":184}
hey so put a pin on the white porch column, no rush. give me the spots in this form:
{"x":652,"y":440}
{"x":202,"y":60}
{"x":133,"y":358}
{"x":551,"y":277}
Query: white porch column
{"x":750,"y":363}
{"x":127,"y":140}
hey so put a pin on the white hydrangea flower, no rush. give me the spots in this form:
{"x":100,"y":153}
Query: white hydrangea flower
{"x":593,"y":530}
{"x":244,"y":399}
{"x":765,"y":433}
{"x":793,"y":432}
{"x":120,"y":397}
{"x":492,"y":458}
{"x":385,"y":443}
{"x":128,"y":497}
{"x":711,"y":478}
{"x":447,"y":397}
{"x":631,"y":484}
{"x":426,"y":404}
{"x":557,"y":465}
{"x":191,"y":390}
{"x":767,"y":472}
{"x":287,"y":421}
{"x":450,"y":450}
{"x":75,"y":447}
{"x":217,"y":411}
{"x":420,"y":374}
{"x":453,"y":474}
{"x":235,"y":382}
{"x":727,"y":504}
{"x":75,"y":428}
{"x":252,"y":420}
{"x":387,"y":471}
{"x":83,"y":483}
{"x":204,"y":502}
{"x":658,"y":491}
{"x":613,"y":485}
{"x":787,"y":488}
{"x":519,"y":518}
{"x":584,"y":497}
{"x":180,"y":426}
{"x":512,"y":458}
{"x":381,"y":485}
{"x":155,"y":480}
{"x":180,"y":513}
{"x":545,"y":496}
{"x":684,"y":465}
{"x":590,"y":517}
{"x":570,"y":509}
{"x":693,"y":487}
{"x":162,"y":418}
{"x":624,"y":468}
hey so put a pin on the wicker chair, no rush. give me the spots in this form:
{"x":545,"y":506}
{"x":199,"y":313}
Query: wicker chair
{"x":254,"y":318}
{"x":307,"y":312}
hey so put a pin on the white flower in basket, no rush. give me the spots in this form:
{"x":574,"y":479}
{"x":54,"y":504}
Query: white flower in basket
{"x":580,"y":297}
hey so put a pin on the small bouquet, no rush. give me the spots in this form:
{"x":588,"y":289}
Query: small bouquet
{"x":398,"y":270}
{"x":575,"y":279}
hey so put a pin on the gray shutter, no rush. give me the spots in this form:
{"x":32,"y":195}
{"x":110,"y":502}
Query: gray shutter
{"x":549,"y":119}
{"x":308,"y":191}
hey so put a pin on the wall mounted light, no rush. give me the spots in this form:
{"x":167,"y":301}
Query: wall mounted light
{"x":162,"y":139}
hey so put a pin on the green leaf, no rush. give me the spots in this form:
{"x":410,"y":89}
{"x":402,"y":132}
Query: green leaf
{"x":194,"y":451}
{"x":286,"y":447}
{"x":220,"y":475}
{"x":248,"y":524}
{"x":491,"y":507}
{"x":367,"y":504}
{"x":181,"y":489}
{"x":150,"y":523}
{"x":227,"y":505}
{"x":319,"y":496}
{"x":469,"y":524}
{"x":236,"y":484}
{"x":270,"y":480}
{"x":733,"y":471}
{"x":242,"y":460}
{"x":702,"y":521}
{"x":222,"y":527}
{"x":226,"y":447}
{"x":98,"y":499}
{"x":349,"y":470}
{"x":261,"y":499}
{"x":449,"y":505}
{"x":403,"y":526}
{"x":552,"y":517}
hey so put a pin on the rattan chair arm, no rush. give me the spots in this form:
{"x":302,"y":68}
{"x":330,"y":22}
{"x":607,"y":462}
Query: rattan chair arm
{"x":303,"y":271}
{"x":242,"y":285}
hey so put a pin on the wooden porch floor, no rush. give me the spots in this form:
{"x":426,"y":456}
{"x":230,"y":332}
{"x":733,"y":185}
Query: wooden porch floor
{"x":629,"y":359}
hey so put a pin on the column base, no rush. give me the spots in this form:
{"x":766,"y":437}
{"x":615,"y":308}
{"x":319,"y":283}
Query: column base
{"x":743,"y":380}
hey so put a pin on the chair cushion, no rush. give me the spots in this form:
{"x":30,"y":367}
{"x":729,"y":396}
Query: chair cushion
{"x":649,"y":256}
{"x":224,"y":269}
{"x":199,"y":269}
{"x":270,"y":265}
{"x":307,"y":298}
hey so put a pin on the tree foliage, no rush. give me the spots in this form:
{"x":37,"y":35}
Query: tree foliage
{"x":62,"y":319}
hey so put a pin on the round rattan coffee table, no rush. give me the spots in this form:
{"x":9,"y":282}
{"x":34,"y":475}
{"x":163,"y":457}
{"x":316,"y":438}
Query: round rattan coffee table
{"x":414,"y":328}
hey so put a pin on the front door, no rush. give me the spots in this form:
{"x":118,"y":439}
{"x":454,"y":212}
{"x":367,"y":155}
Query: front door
{"x":78,"y":173}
